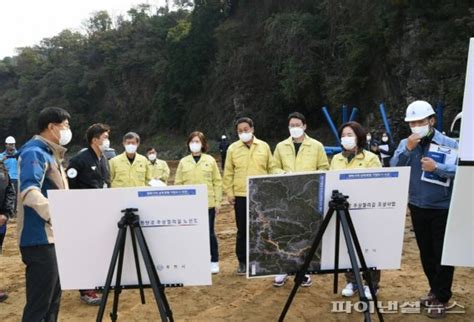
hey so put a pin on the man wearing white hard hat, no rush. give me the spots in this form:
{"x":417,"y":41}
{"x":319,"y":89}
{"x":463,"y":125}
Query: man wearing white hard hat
{"x":223,"y":146}
{"x":8,"y":157}
{"x":432,"y":157}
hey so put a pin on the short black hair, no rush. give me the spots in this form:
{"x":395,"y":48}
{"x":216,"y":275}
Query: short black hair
{"x":247,"y":120}
{"x":54,"y":115}
{"x":95,"y":131}
{"x":149,"y":149}
{"x":131,"y":135}
{"x":297,"y":115}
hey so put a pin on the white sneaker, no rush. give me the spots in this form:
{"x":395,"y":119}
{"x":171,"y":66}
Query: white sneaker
{"x":349,"y":290}
{"x":280,"y":280}
{"x":214,"y":267}
{"x":367,"y":292}
{"x":307,"y":281}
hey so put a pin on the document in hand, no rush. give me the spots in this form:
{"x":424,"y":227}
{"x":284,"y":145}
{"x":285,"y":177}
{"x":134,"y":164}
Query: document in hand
{"x":443,"y":155}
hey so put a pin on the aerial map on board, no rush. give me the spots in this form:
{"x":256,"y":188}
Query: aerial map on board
{"x":285,"y":213}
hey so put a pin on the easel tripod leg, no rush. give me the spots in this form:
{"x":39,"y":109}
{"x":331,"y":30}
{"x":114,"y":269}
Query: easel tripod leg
{"x":152,"y":274}
{"x":113,"y":262}
{"x":309,"y":257}
{"x":336,"y":254}
{"x":137,"y":265}
{"x":118,"y":278}
{"x":355,"y":265}
{"x":160,"y":285}
{"x":363,"y":264}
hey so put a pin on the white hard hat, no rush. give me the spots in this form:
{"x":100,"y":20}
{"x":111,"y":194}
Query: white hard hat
{"x":10,"y":140}
{"x":418,"y":110}
{"x":224,"y":137}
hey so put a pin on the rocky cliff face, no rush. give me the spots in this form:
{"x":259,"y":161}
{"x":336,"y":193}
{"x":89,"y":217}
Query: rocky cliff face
{"x":176,"y":72}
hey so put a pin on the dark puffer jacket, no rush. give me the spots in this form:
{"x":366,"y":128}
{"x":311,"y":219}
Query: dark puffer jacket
{"x":7,"y":193}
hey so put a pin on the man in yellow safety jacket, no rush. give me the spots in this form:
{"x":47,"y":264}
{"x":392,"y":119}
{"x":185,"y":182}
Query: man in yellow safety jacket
{"x":161,"y":170}
{"x":247,"y":157}
{"x":130,"y":169}
{"x":298,"y":153}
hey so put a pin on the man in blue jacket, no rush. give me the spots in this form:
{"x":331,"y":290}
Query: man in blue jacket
{"x":40,"y":170}
{"x":432,"y":158}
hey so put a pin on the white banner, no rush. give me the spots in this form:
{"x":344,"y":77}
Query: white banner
{"x":174,"y":221}
{"x":466,"y":143}
{"x":377,"y":204}
{"x":458,"y":247}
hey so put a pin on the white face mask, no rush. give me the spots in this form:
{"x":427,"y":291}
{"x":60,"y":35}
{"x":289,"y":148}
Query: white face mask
{"x":422,"y":131}
{"x":65,"y":136}
{"x":348,"y":142}
{"x":152,"y":157}
{"x":245,"y":137}
{"x":296,"y":132}
{"x":131,"y":148}
{"x":384,"y":139}
{"x":195,"y":147}
{"x":105,"y":145}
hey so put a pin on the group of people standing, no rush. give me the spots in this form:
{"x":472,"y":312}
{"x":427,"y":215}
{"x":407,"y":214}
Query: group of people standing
{"x":298,"y":153}
{"x":428,"y":201}
{"x":40,"y":165}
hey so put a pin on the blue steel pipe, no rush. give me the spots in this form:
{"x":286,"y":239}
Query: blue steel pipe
{"x":353,"y":114}
{"x":331,"y":150}
{"x":331,"y":123}
{"x":385,"y":121}
{"x":439,"y":116}
{"x":344,"y":114}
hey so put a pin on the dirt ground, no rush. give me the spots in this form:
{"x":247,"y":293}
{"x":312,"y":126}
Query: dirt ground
{"x":235,"y":298}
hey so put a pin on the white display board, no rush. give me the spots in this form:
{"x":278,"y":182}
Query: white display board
{"x":466,"y":142}
{"x":378,"y":202}
{"x":458,"y":247}
{"x":174,"y":222}
{"x":279,"y":209}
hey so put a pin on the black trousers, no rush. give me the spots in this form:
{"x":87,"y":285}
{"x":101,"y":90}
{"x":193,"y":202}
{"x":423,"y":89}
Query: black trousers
{"x":223,"y":156}
{"x":240,"y":208}
{"x":3,"y":232}
{"x":212,"y":236}
{"x":15,"y":186}
{"x":43,"y":291}
{"x":430,"y":226}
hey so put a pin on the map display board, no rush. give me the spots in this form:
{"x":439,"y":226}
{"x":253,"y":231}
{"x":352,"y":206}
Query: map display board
{"x":286,"y":211}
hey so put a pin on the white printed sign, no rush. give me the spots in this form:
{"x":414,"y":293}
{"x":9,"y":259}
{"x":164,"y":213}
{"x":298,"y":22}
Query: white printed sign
{"x":377,"y":204}
{"x":458,"y":247}
{"x":174,"y":221}
{"x":466,"y":143}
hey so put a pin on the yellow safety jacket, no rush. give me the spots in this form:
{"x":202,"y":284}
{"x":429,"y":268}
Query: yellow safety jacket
{"x":160,"y":170}
{"x":124,"y":174}
{"x":205,"y":171}
{"x":364,"y":159}
{"x":311,"y":156}
{"x":243,"y":161}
